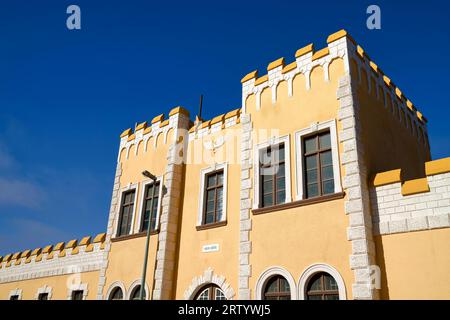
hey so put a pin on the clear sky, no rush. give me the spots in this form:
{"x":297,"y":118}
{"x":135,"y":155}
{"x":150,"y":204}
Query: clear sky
{"x":65,"y":96}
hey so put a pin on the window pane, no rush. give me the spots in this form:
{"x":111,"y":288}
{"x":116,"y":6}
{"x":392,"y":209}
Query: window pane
{"x":324,"y":141}
{"x":281,"y":185}
{"x":210,"y":206}
{"x":272,"y":285}
{"x":211,"y":180}
{"x":285,"y":298}
{"x":327,"y":172}
{"x":318,"y":297}
{"x":219,"y":204}
{"x":204,"y":295}
{"x":312,"y":190}
{"x":209,"y":217}
{"x":280,"y":152}
{"x":325,"y":158}
{"x":310,"y":144}
{"x":210,"y":195}
{"x":284,"y":285}
{"x":330,"y":283}
{"x":219,"y":295}
{"x":268,"y":187}
{"x":331,"y":297}
{"x":220,"y":178}
{"x":311,"y":176}
{"x":281,"y":197}
{"x":280,"y":170}
{"x":311,"y":162}
{"x":328,"y":187}
{"x":268,"y":200}
{"x":315,"y":284}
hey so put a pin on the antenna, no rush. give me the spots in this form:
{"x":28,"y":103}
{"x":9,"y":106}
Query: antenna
{"x":200,"y":107}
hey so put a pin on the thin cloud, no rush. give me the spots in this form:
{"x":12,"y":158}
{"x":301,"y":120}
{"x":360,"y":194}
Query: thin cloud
{"x":16,"y":192}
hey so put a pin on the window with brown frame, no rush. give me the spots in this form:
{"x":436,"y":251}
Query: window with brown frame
{"x":213,"y":198}
{"x":272,"y":176}
{"x":210,"y":292}
{"x":318,"y":164}
{"x":43,"y":296}
{"x":322,"y":286}
{"x":277,"y":288}
{"x":77,"y":295}
{"x":126,"y":213}
{"x":149,"y":215}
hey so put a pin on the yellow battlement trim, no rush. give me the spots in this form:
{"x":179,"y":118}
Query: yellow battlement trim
{"x":131,"y":137}
{"x":275,"y":64}
{"x":375,"y":68}
{"x":289,"y":67}
{"x":71,"y":244}
{"x":148,"y":130}
{"x":338,"y":35}
{"x":100,"y":238}
{"x":7,"y":257}
{"x":233,"y":113}
{"x":261,"y":80}
{"x":141,"y":126}
{"x":85,"y":241}
{"x":36,"y":251}
{"x":387,"y":81}
{"x":321,"y":53}
{"x":25,"y":254}
{"x":89,"y":248}
{"x":62,"y":253}
{"x":205,"y":124}
{"x":399,"y":93}
{"x":50,"y":256}
{"x":218,"y":119}
{"x":1,"y":259}
{"x":158,"y":118}
{"x":178,"y":110}
{"x":415,"y":186}
{"x":306,"y":49}
{"x":59,"y":246}
{"x":15,"y":256}
{"x":164,"y":123}
{"x":387,"y":177}
{"x":249,"y":76}
{"x":47,"y":249}
{"x":437,"y":166}
{"x":126,"y":133}
{"x":410,"y":105}
{"x":75,"y":250}
{"x":38,"y":258}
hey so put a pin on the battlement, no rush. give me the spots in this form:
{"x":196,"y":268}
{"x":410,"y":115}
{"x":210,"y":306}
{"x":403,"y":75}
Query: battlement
{"x":340,"y":46}
{"x":62,"y":258}
{"x":400,"y":205}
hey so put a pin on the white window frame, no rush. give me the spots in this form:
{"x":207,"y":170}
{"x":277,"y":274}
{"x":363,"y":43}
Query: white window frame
{"x":44,"y":289}
{"x":287,"y":166}
{"x":15,"y":292}
{"x":316,"y":268}
{"x":78,"y":287}
{"x":299,"y":135}
{"x":135,"y":284}
{"x":144,"y":184}
{"x":114,"y":285}
{"x":119,"y":207}
{"x":218,"y":166}
{"x":269,"y":273}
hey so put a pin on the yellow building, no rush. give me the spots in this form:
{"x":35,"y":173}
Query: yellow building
{"x":320,"y":186}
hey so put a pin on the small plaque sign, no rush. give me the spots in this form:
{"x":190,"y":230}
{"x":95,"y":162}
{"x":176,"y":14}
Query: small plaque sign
{"x":213,"y":247}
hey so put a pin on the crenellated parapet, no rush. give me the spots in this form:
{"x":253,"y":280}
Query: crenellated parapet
{"x":148,"y":136}
{"x":400,"y":205}
{"x":214,"y":125}
{"x":306,"y":59}
{"x":63,"y":258}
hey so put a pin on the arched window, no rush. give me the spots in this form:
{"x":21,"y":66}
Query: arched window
{"x":136,"y":293}
{"x":210,"y":292}
{"x":322,"y":286}
{"x":277,"y":288}
{"x":116,"y":294}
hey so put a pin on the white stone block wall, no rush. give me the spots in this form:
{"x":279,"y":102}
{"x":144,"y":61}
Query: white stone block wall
{"x":394,"y":213}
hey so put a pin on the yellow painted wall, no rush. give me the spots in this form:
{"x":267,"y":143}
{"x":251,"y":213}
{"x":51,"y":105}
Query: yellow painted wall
{"x":192,"y":262}
{"x":299,"y":237}
{"x":415,"y":265}
{"x":388,"y":144}
{"x":58,"y":284}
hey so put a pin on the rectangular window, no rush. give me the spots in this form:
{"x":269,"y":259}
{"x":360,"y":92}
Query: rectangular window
{"x":272,"y":176}
{"x":43,"y":296}
{"x":14,"y":297}
{"x":126,"y":213}
{"x":149,"y":214}
{"x":318,"y":165}
{"x":77,"y":295}
{"x":213,"y":198}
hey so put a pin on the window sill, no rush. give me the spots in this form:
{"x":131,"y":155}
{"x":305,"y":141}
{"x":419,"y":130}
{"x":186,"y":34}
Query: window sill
{"x":299,"y":203}
{"x":134,"y":236}
{"x":211,"y":225}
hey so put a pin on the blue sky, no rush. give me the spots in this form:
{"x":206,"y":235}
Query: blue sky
{"x":65,"y":96}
